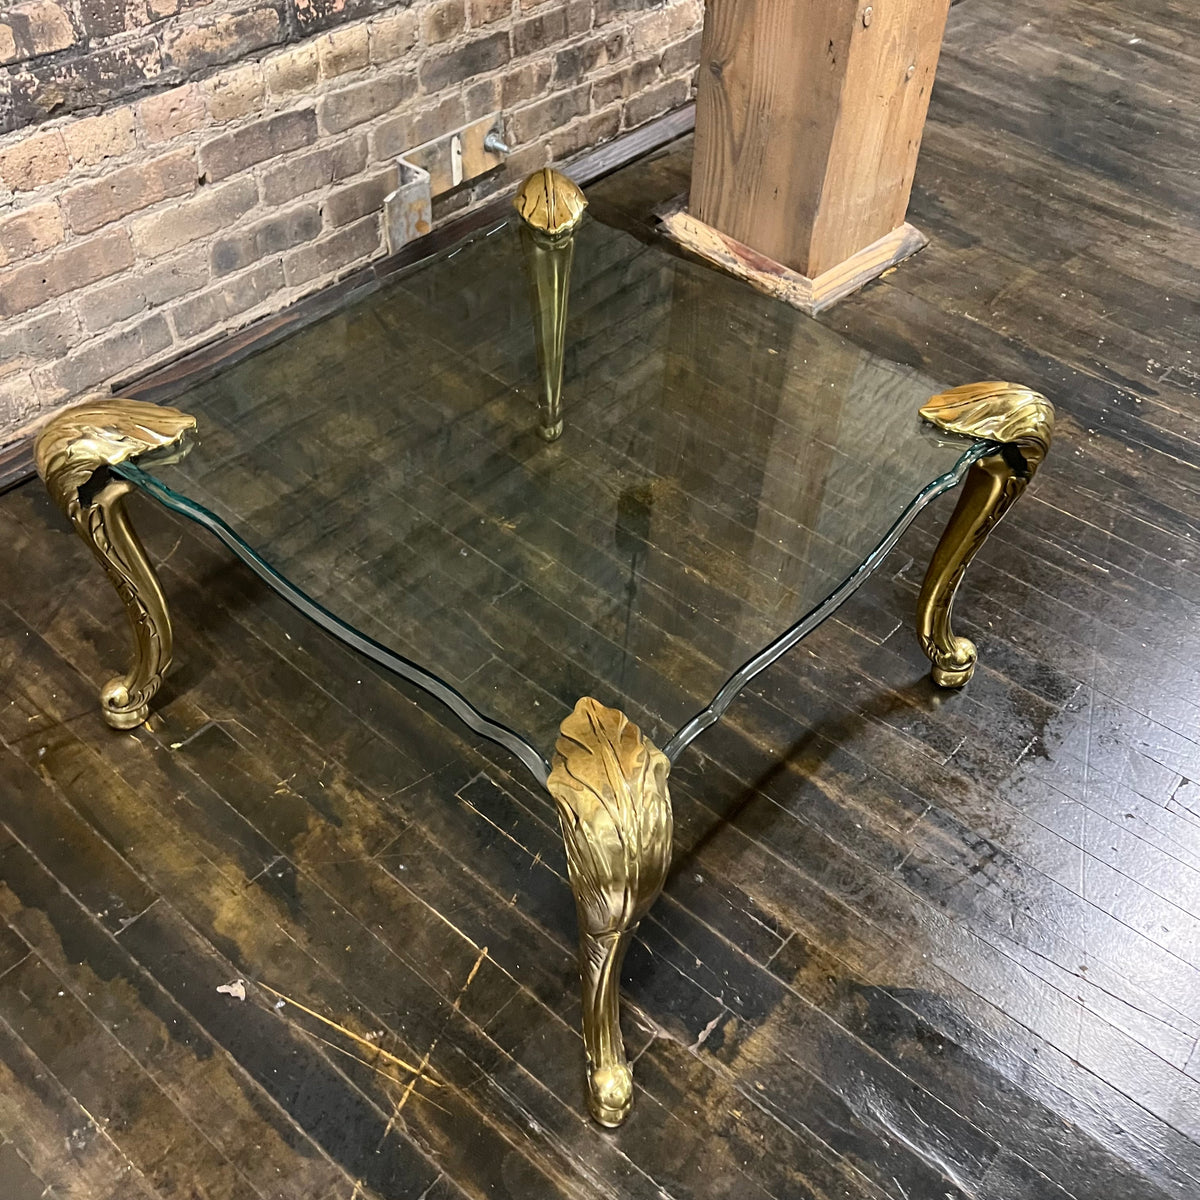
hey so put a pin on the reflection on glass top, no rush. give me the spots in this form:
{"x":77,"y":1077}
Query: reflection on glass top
{"x":726,"y":463}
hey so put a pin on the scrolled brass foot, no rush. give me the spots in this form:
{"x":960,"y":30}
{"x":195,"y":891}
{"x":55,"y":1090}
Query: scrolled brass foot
{"x":1021,"y":423}
{"x":73,"y":454}
{"x":551,"y":208}
{"x":955,"y":667}
{"x":610,"y":1095}
{"x":610,"y":785}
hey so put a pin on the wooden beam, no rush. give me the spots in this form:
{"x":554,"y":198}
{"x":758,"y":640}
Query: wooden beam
{"x":808,"y":121}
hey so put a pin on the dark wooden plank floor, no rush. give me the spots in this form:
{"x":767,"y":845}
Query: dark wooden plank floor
{"x":914,"y":945}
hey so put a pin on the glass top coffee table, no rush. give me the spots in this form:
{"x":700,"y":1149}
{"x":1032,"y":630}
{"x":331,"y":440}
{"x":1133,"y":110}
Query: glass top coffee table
{"x":553,"y":461}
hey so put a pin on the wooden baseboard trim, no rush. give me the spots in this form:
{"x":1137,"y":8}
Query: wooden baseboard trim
{"x":166,"y":382}
{"x":810,"y":296}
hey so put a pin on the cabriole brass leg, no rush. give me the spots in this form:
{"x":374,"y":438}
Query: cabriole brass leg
{"x":551,"y":207}
{"x":1021,"y":422}
{"x":610,"y":785}
{"x":73,"y":454}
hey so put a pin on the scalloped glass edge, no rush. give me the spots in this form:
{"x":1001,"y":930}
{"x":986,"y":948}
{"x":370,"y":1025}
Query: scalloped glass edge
{"x":462,"y":708}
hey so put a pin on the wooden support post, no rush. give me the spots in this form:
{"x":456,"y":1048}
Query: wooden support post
{"x":808,"y":121}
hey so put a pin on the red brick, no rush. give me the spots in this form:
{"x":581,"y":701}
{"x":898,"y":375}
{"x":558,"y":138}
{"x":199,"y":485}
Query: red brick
{"x":194,"y":47}
{"x":575,"y":63}
{"x":623,"y":83}
{"x":295,"y":70}
{"x":357,"y":200}
{"x":102,"y":18}
{"x":283,"y":231}
{"x":647,"y":105}
{"x":64,"y":270}
{"x":391,"y":138}
{"x":207,"y":211}
{"x":606,"y":10}
{"x":227,"y":300}
{"x":108,"y":303}
{"x":64,"y":83}
{"x":20,"y":401}
{"x":118,"y":193}
{"x":443,"y":20}
{"x":525,"y":83}
{"x":481,"y":98}
{"x":235,"y":93}
{"x":343,"y":51}
{"x":32,"y":29}
{"x":484,"y":12}
{"x":590,"y":131}
{"x":255,"y":143}
{"x":392,"y":37}
{"x":540,"y":32}
{"x":335,"y":253}
{"x":171,"y":114}
{"x":37,"y":341}
{"x":105,"y":358}
{"x":315,"y":15}
{"x":351,"y":106}
{"x":483,"y":54}
{"x":556,"y":110}
{"x":93,"y":139}
{"x":682,"y":56}
{"x":29,"y":231}
{"x":39,"y":159}
{"x":317,"y":169}
{"x":656,"y":30}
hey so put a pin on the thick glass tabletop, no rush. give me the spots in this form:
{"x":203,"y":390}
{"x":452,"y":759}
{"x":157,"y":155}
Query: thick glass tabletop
{"x":728,"y":471}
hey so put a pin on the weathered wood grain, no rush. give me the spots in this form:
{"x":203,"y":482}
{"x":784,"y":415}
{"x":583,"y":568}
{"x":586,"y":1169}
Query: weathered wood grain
{"x":808,"y":121}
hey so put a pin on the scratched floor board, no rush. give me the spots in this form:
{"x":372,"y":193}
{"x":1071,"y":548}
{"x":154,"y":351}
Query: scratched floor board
{"x":217,"y":778}
{"x":149,"y":786}
{"x":956,"y":879}
{"x":407,"y":853}
{"x":686,"y":944}
{"x":396,"y":1163}
{"x":53,"y":1138}
{"x":257,"y":1136}
{"x":368,"y":899}
{"x":197,"y":904}
{"x":1160,"y":874}
{"x":822,"y":864}
{"x":668,"y":944}
{"x":242,"y":659}
{"x":708,"y":957}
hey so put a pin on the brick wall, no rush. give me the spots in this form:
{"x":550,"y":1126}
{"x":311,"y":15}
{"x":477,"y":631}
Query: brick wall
{"x":173,"y":169}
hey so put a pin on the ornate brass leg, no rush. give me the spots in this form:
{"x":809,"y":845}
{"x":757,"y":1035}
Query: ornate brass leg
{"x":551,"y":207}
{"x":1022,"y":423}
{"x":73,"y":453}
{"x":610,"y":785}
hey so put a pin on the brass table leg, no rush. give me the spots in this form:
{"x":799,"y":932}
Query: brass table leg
{"x":1021,"y":422}
{"x":73,"y":453}
{"x":551,"y":207}
{"x":610,"y":785}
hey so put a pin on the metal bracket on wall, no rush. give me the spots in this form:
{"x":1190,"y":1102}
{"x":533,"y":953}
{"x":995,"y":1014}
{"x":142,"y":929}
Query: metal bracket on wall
{"x":436,"y":167}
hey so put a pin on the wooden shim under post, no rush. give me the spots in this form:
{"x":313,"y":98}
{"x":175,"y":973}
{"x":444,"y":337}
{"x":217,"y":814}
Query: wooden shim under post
{"x":765,"y":275}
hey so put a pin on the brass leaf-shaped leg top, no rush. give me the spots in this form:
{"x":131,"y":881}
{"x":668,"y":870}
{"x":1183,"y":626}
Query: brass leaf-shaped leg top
{"x":551,"y":208}
{"x":1022,"y":422}
{"x":610,"y":785}
{"x":73,"y":453}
